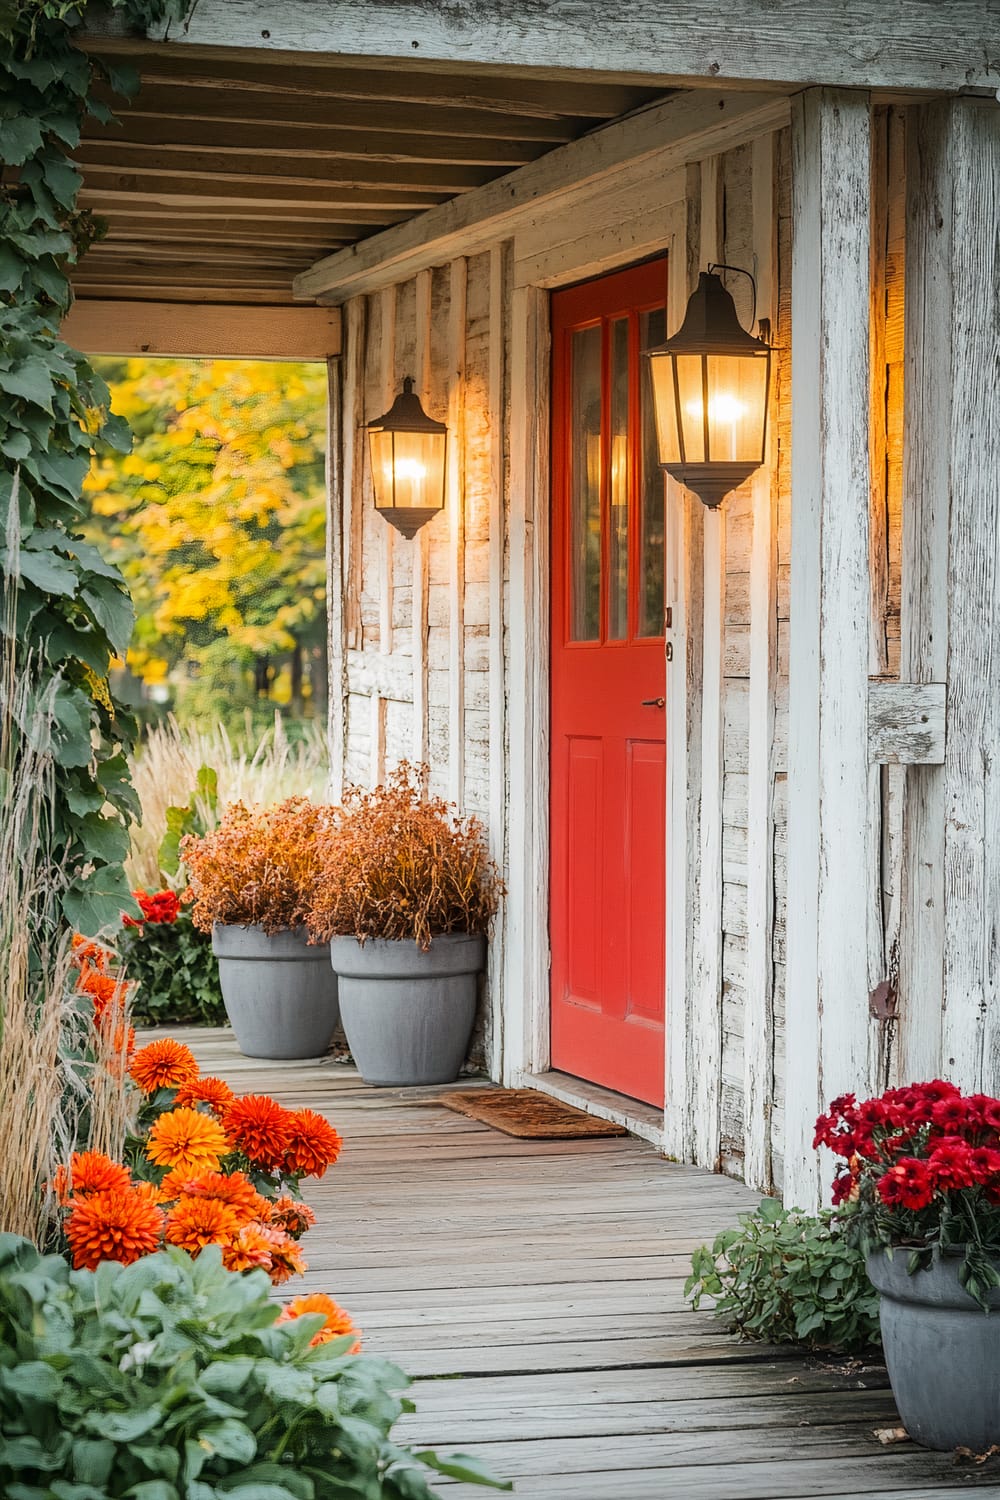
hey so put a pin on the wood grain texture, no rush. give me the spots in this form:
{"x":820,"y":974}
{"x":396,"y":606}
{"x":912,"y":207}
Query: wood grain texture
{"x":98,"y":326}
{"x":906,"y":723}
{"x":901,"y":44}
{"x":827,"y":907}
{"x":548,"y":1275}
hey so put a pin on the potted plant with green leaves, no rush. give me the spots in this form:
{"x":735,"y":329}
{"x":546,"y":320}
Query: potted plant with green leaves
{"x":253,"y":880}
{"x":919,"y":1191}
{"x":406,"y":901}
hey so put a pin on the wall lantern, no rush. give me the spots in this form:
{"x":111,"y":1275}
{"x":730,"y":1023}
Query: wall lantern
{"x":710,"y":384}
{"x":408,"y":451}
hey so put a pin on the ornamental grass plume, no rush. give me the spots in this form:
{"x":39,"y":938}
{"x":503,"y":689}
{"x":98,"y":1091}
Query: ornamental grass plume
{"x":402,"y":865}
{"x":259,"y":867}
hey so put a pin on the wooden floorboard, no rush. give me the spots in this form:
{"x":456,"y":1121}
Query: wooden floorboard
{"x":534,"y":1289}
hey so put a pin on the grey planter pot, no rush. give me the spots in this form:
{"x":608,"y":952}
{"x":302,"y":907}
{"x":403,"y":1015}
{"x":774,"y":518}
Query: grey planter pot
{"x":281,"y":998}
{"x":408,"y":1015}
{"x":942,"y":1352}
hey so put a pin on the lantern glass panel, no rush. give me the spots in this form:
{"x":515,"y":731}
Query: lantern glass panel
{"x":408,"y":469}
{"x":737,"y":388}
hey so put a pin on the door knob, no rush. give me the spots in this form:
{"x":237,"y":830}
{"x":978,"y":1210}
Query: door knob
{"x":654,"y":702}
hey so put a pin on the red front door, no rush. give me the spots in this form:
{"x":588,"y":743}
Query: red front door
{"x":608,"y":801}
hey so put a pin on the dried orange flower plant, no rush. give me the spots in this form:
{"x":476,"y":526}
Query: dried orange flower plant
{"x":259,"y":867}
{"x":400,"y":864}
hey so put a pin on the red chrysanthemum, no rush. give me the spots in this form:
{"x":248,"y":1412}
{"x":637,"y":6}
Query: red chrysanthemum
{"x":337,"y":1324}
{"x":951,"y":1164}
{"x":214,"y":1092}
{"x":951,"y":1114}
{"x":89,"y":1172}
{"x":313,"y":1144}
{"x":187,"y":1140}
{"x":260,"y":1129}
{"x":908,"y":1184}
{"x":165,"y":1064}
{"x":120,"y":1224}
{"x":195,"y":1222}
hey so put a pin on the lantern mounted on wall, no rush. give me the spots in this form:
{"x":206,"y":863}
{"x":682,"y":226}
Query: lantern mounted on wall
{"x":408,"y":450}
{"x":710,"y":384}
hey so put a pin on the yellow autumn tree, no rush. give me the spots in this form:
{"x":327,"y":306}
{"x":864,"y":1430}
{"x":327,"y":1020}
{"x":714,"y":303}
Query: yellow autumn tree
{"x":217,"y":520}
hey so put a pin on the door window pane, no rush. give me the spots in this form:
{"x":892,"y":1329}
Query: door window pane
{"x":653,"y":331}
{"x":618,"y":485}
{"x":585,"y":486}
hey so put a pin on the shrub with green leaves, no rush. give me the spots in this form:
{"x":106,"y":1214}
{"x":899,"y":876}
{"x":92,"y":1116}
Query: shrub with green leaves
{"x":175,"y":972}
{"x":169,"y":1380}
{"x":788,"y":1277}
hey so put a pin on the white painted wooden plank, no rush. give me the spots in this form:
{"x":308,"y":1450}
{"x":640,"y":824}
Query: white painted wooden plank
{"x":354,"y":467}
{"x":458,"y":285}
{"x":898,"y":45}
{"x":387,"y":533}
{"x":421,"y":542}
{"x":906,"y":723}
{"x":758,"y":1038}
{"x":827,"y":911}
{"x":202,"y":331}
{"x":337,"y":514}
{"x":500,"y":257}
{"x":681,"y":130}
{"x":527,"y":977}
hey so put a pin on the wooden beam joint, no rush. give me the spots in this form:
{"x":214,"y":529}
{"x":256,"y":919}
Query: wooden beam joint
{"x":906,"y":723}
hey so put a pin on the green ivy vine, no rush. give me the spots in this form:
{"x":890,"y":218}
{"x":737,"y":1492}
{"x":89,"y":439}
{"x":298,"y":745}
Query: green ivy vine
{"x":67,"y":609}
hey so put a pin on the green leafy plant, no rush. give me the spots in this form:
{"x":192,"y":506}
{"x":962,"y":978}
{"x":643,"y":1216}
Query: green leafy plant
{"x":788,"y":1277}
{"x":175,"y":972}
{"x":196,"y":818}
{"x":170,"y":1378}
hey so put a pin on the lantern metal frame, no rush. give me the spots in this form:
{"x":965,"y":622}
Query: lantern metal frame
{"x":711,"y":326}
{"x":406,"y":415}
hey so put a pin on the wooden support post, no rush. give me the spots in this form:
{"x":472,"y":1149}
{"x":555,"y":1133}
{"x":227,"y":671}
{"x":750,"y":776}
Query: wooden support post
{"x":499,"y":295}
{"x":828,"y":1018}
{"x":337,"y":513}
{"x":421,"y":542}
{"x":354,"y":467}
{"x":950,"y":948}
{"x":758,"y":1014}
{"x":387,"y":298}
{"x":456,"y":535}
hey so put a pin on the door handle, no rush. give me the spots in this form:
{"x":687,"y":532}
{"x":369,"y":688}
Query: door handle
{"x":654,"y":703}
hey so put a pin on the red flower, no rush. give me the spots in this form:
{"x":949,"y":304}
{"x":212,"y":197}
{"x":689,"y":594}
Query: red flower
{"x":260,"y":1128}
{"x":843,"y":1187}
{"x":984,"y":1111}
{"x":951,"y":1164}
{"x":908,"y":1183}
{"x":313,"y":1144}
{"x":936,"y":1090}
{"x":163,"y":906}
{"x":985,"y":1163}
{"x":950,"y":1114}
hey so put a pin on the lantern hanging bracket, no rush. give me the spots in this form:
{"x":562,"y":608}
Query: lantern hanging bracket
{"x":717,"y":266}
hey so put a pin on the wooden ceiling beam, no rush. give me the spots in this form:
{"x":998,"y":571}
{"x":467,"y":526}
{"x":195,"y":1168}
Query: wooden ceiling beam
{"x":310,"y":143}
{"x":190,"y":274}
{"x":286,"y":109}
{"x":181,"y":293}
{"x":203,"y":331}
{"x":854,"y":44}
{"x":166,"y":234}
{"x":98,"y":161}
{"x":247,"y":253}
{"x":186,"y":191}
{"x":346,"y":221}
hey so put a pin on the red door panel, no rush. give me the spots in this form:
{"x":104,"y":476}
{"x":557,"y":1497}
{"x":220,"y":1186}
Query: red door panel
{"x":608,"y":801}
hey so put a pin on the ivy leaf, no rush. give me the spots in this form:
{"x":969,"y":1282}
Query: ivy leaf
{"x":31,"y":380}
{"x":11,"y":268}
{"x":89,"y":558}
{"x":117,"y":433}
{"x":71,"y":709}
{"x":99,"y":900}
{"x":104,"y":839}
{"x":48,"y":572}
{"x":113,"y":611}
{"x":19,"y":139}
{"x":62,"y":179}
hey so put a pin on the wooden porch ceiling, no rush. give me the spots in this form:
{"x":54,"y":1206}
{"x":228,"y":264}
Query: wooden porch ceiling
{"x":226,"y":176}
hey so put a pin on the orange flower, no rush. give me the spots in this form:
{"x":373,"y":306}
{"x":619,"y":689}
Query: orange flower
{"x":250,"y":1250}
{"x":194,"y":1223}
{"x":313,"y":1144}
{"x":294,"y":1218}
{"x":260,"y":1128}
{"x":211,"y":1091}
{"x":186,"y":1139}
{"x":104,"y":990}
{"x":286,"y":1257}
{"x":338,"y":1322}
{"x":89,"y":1172}
{"x":87,"y":951}
{"x":120,"y":1224}
{"x":233,"y":1189}
{"x":163,"y":1065}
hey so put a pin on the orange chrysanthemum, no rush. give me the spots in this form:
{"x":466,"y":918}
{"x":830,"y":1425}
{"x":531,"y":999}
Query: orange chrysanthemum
{"x":165,"y":1064}
{"x":104,"y":990}
{"x":249,"y":1251}
{"x":260,"y":1128}
{"x":286,"y":1256}
{"x":194,"y":1223}
{"x":120,"y":1224}
{"x":188,"y":1140}
{"x":233,"y":1189}
{"x":338,"y":1322}
{"x":313,"y":1144}
{"x":211,"y":1091}
{"x":89,"y":1172}
{"x":87,"y":951}
{"x":294,"y":1218}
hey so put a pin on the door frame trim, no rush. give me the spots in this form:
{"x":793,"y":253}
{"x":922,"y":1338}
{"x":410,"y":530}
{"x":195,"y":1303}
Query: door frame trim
{"x":525,"y":1025}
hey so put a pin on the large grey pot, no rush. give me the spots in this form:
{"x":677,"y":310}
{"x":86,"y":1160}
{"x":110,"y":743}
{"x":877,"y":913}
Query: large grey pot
{"x":942,"y":1351}
{"x":408,"y":1015}
{"x":281,"y":998}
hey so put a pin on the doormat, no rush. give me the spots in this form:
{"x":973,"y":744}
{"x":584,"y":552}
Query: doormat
{"x":529,"y":1114}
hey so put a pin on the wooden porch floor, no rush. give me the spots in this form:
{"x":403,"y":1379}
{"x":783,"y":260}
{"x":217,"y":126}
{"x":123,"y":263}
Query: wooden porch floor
{"x":534,"y":1291}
